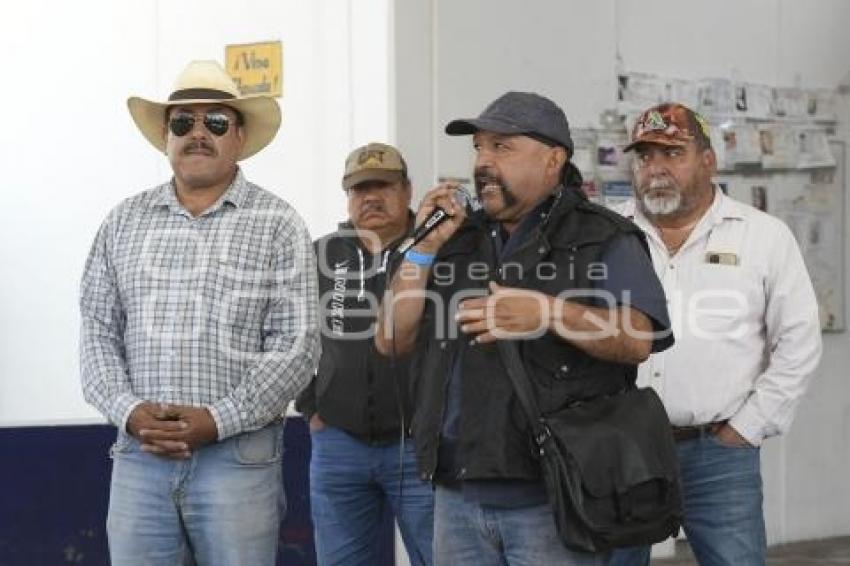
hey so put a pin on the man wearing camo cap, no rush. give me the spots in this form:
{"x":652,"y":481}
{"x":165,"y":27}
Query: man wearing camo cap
{"x":358,"y":404}
{"x":746,"y":326}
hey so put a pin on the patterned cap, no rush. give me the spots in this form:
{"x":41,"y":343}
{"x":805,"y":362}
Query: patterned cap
{"x":374,"y":162}
{"x":669,"y":124}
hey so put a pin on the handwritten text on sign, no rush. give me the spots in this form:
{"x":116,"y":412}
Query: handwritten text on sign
{"x":257,"y":68}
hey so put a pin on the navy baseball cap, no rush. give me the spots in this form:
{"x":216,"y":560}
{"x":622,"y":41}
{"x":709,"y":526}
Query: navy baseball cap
{"x":519,"y":113}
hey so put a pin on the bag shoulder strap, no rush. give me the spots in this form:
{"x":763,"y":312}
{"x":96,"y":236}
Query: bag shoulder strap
{"x":509,"y":352}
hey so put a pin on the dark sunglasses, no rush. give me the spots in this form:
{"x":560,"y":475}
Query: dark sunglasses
{"x":216,"y":122}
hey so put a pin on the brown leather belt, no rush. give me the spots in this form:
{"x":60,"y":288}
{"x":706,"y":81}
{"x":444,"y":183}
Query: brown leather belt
{"x":682,"y":433}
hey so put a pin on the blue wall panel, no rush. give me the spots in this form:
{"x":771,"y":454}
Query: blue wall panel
{"x":54,"y":483}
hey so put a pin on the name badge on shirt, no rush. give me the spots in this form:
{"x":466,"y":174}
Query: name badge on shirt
{"x":722,"y":258}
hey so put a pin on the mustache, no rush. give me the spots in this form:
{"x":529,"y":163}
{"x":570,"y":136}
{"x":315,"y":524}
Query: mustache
{"x":657,"y":184}
{"x":660,"y":183}
{"x":372,"y":207}
{"x":198,"y":144}
{"x":484,"y":177}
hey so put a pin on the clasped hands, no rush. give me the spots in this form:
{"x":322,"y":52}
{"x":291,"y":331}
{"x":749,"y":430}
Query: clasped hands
{"x":171,"y":431}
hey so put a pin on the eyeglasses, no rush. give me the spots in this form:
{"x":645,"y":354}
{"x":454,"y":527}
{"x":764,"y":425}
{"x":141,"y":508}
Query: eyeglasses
{"x":215,"y":121}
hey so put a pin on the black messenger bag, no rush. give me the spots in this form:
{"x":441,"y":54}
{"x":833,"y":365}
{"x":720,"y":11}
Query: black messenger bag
{"x":609,"y":464}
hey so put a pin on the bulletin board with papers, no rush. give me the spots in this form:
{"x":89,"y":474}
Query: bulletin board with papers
{"x":754,"y":126}
{"x":776,"y":150}
{"x":812,"y":205}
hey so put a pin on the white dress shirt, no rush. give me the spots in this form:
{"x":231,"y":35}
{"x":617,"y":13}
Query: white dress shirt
{"x":745,"y":319}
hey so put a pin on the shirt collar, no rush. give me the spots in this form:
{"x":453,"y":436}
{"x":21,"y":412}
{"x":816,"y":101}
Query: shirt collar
{"x":725,"y":207}
{"x":507,"y":243}
{"x":236,"y":194}
{"x":538,"y":214}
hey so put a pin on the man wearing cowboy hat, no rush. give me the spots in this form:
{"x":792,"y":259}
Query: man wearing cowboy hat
{"x":199,"y":325}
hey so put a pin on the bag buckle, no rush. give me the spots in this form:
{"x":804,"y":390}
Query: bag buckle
{"x":544,"y":435}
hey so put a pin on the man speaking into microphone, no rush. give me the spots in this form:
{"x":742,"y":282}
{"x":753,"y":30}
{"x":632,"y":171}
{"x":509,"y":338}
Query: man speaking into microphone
{"x":536,"y":239}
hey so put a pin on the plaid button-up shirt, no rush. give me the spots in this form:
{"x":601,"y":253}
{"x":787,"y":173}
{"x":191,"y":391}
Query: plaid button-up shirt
{"x":218,"y":310}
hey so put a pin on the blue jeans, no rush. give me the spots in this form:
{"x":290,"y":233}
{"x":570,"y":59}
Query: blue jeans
{"x":466,"y":532}
{"x":221,"y":507}
{"x":350,"y":481}
{"x":722,"y":502}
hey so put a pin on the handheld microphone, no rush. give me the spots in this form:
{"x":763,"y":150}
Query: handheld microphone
{"x":437,"y":217}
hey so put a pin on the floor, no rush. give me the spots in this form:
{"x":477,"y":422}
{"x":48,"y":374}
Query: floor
{"x":821,"y":552}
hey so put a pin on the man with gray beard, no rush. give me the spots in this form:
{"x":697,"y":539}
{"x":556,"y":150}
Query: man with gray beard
{"x":746,"y":325}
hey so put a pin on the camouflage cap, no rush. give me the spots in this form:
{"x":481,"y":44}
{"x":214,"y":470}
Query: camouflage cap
{"x":374,"y":162}
{"x":669,"y":124}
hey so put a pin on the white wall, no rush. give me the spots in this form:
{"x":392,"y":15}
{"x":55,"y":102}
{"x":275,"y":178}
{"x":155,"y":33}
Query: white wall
{"x":452,"y":58}
{"x":70,"y":151}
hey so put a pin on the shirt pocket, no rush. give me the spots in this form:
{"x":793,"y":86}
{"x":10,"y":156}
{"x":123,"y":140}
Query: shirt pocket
{"x":727,"y":302}
{"x":242,"y":284}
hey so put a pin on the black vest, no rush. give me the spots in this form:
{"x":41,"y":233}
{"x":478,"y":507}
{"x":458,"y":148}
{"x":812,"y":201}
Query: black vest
{"x":561,"y":254}
{"x":355,"y":388}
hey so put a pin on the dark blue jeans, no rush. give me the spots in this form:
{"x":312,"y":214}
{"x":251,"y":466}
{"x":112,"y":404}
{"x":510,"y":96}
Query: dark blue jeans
{"x":350,"y":482}
{"x":467,"y":532}
{"x":723,"y":505}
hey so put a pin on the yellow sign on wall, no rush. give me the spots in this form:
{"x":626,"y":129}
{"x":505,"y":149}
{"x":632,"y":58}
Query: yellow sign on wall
{"x":257,"y":68}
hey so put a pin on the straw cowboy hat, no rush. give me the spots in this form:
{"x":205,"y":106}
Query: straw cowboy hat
{"x":206,"y":82}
